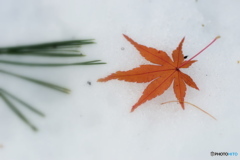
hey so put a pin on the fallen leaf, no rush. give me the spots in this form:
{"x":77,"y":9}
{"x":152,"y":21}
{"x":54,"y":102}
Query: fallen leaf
{"x":161,"y":75}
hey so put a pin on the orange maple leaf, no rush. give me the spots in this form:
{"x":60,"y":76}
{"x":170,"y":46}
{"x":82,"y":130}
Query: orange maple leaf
{"x":162,"y":75}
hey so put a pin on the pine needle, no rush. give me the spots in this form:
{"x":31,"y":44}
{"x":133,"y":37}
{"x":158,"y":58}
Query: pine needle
{"x":31,"y":108}
{"x":51,"y":64}
{"x":45,"y":84}
{"x":193,"y":106}
{"x":52,"y":49}
{"x":17,"y":112}
{"x":52,"y":46}
{"x":54,"y":54}
{"x":62,"y":49}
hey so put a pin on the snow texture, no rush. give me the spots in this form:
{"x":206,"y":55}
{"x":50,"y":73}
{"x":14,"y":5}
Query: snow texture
{"x":94,"y":122}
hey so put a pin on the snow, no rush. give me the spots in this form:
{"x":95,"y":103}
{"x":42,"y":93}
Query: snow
{"x":94,"y":122}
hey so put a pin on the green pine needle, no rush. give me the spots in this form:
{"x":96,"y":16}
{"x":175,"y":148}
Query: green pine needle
{"x":45,"y":84}
{"x":52,"y":49}
{"x":51,"y":45}
{"x":17,"y":112}
{"x":51,"y":64}
{"x":31,"y":108}
{"x":46,"y":54}
{"x":63,"y":49}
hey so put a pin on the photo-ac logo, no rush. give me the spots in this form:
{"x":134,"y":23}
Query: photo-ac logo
{"x":224,"y":153}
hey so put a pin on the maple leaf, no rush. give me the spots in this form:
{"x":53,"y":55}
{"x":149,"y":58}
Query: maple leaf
{"x":161,"y":75}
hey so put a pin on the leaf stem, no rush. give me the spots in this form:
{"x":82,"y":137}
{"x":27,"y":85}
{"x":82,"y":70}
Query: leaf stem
{"x":199,"y":52}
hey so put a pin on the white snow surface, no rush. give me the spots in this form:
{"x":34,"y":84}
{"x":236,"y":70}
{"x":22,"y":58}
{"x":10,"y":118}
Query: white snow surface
{"x":94,"y":122}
